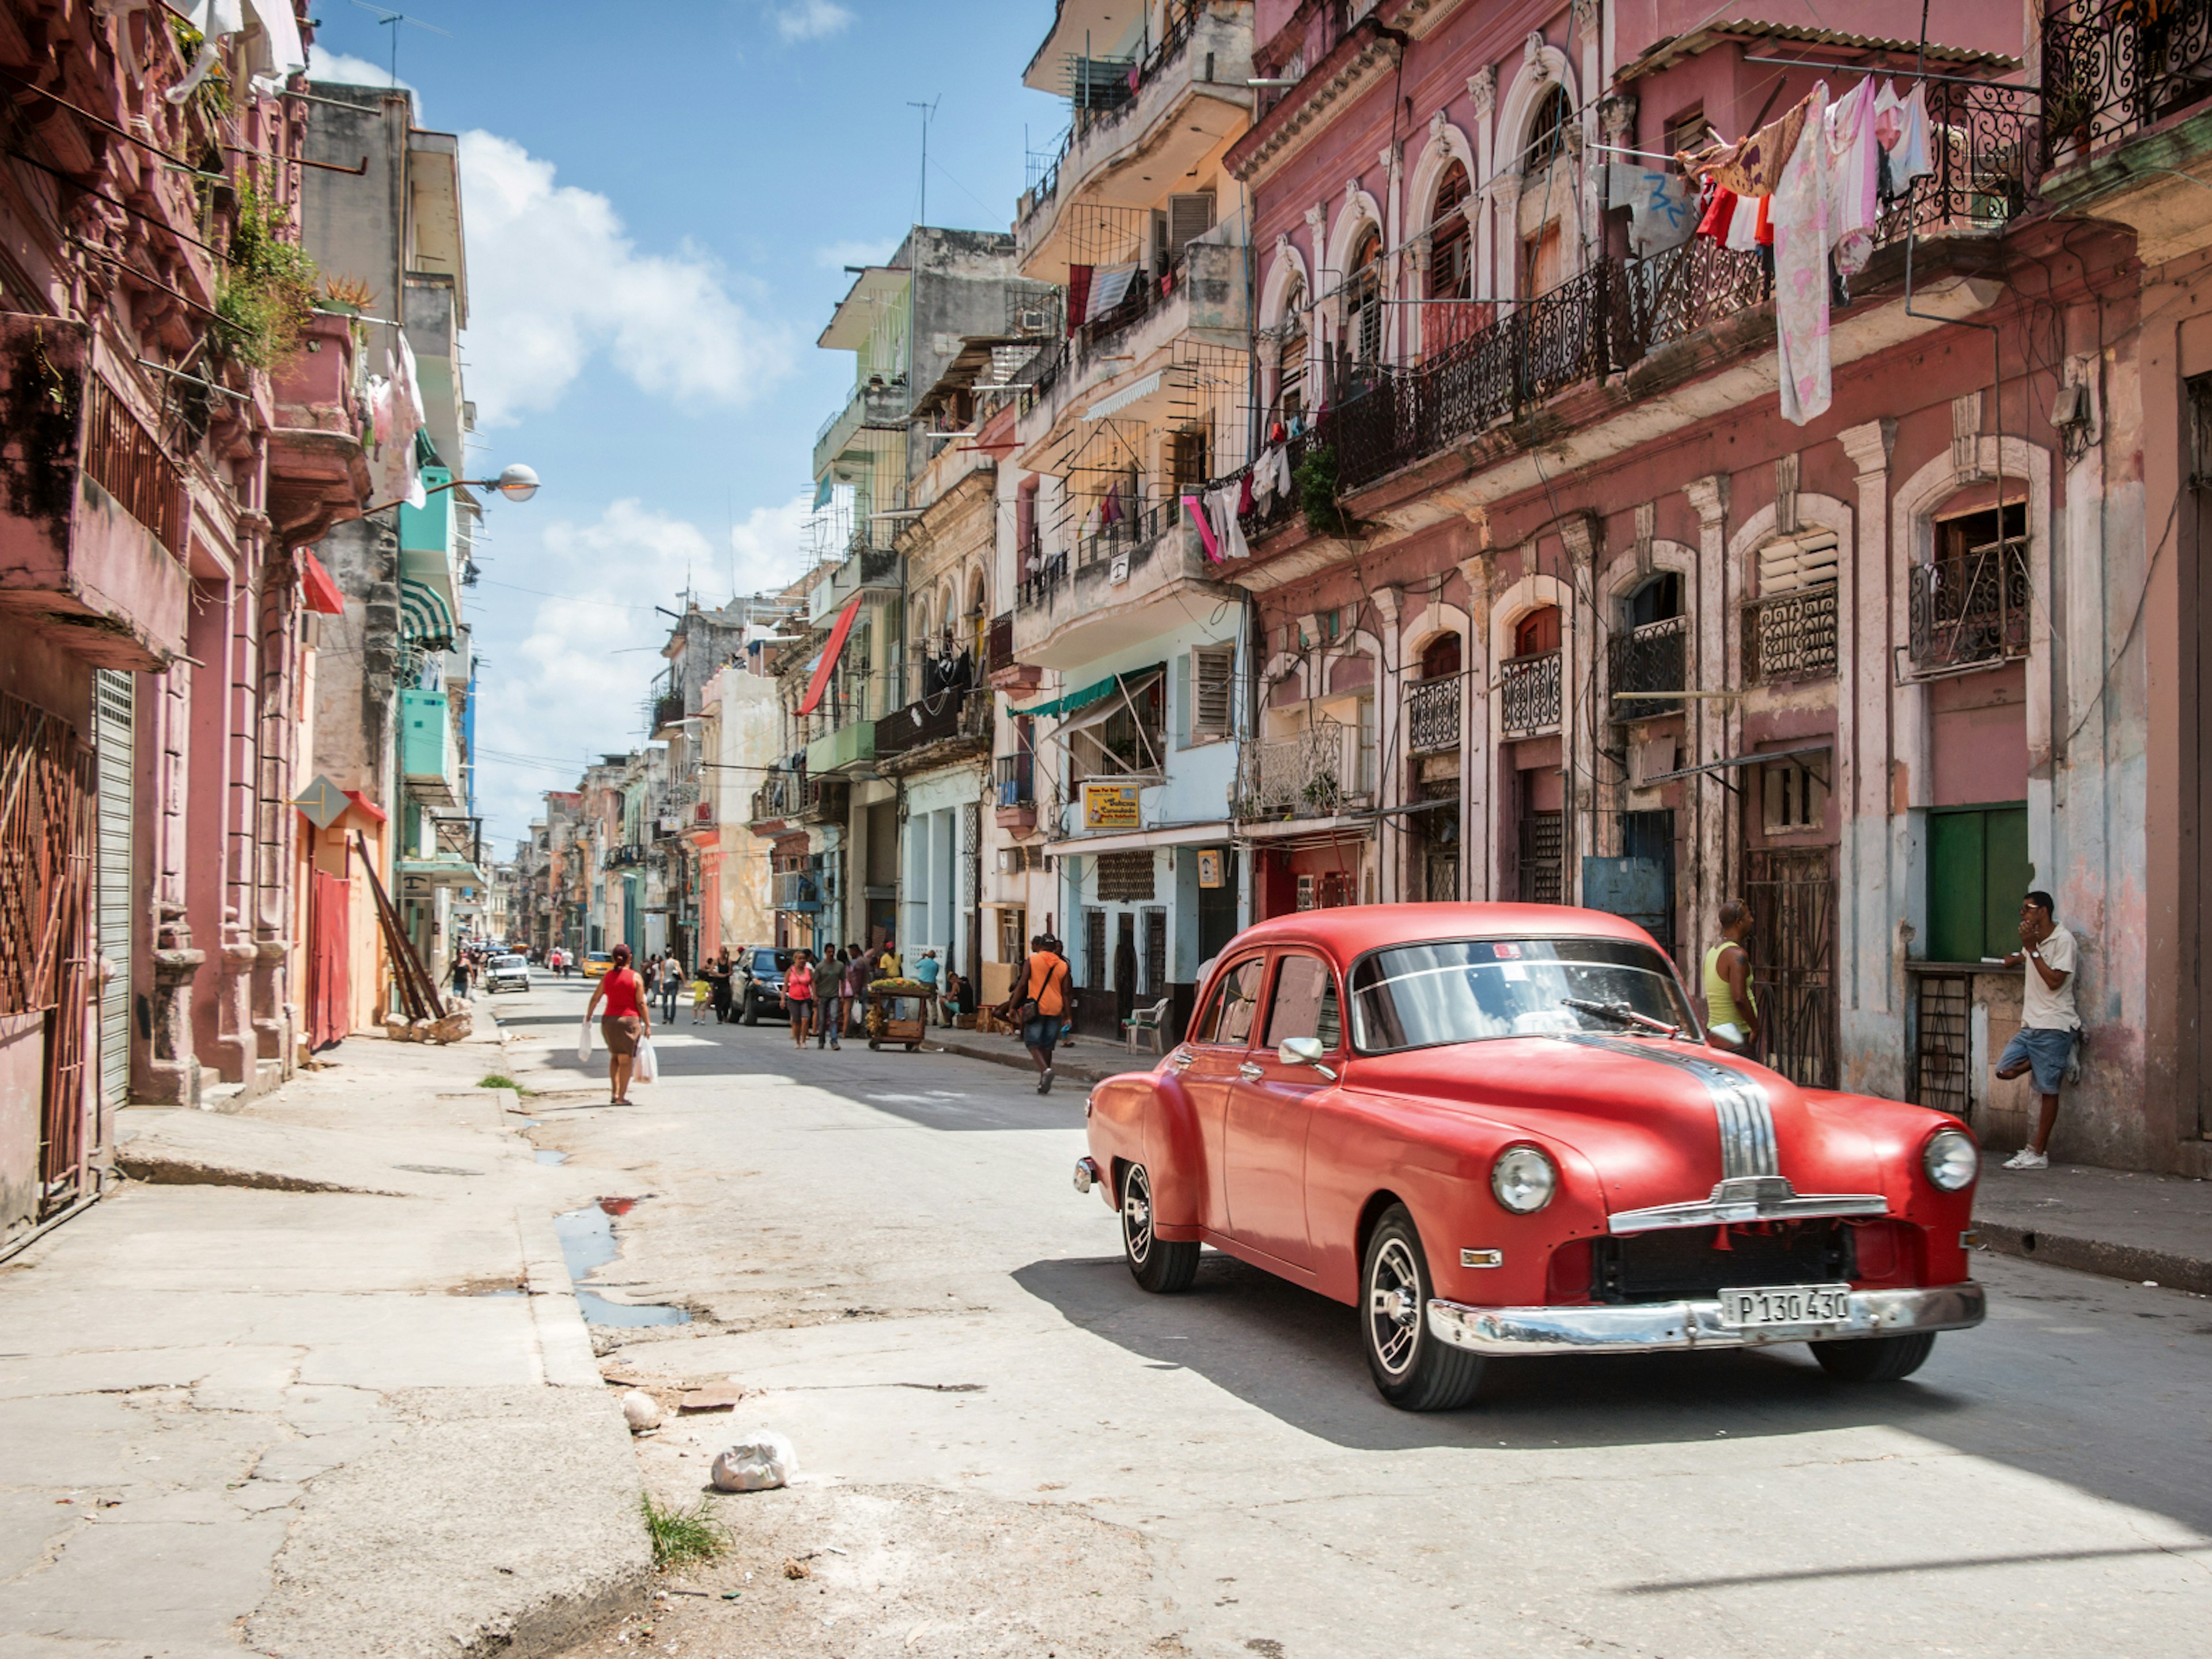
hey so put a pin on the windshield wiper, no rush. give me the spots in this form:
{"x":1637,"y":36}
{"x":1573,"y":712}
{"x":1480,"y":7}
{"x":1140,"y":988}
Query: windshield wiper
{"x":1622,"y":1013}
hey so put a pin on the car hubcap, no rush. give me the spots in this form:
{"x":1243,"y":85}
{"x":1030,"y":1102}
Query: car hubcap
{"x":1393,"y":1306}
{"x":1137,"y":1217}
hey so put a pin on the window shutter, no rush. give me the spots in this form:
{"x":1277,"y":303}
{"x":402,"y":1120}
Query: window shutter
{"x":1186,"y":724}
{"x":1213,"y":671}
{"x":1189,"y":217}
{"x":1187,"y":459}
{"x":1793,"y":561}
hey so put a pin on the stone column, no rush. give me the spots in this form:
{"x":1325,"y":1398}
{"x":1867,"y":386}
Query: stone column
{"x":1478,"y":834}
{"x":1712,"y":808}
{"x":1870,"y":1002}
{"x":1393,"y":765}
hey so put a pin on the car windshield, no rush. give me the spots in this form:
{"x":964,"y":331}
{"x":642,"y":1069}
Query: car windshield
{"x":1415,"y":996}
{"x":771,"y":962}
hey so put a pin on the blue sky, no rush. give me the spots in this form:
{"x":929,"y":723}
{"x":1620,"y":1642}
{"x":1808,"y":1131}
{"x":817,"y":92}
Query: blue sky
{"x":660,"y":196}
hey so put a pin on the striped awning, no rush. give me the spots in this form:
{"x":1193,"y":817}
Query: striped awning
{"x":425,"y":619}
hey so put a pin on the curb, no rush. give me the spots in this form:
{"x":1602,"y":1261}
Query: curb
{"x":564,"y":1341}
{"x":1073,"y":1070}
{"x":2095,"y":1256}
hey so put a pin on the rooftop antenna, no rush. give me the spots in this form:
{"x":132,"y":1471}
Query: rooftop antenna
{"x":928,"y":112}
{"x":392,"y":20}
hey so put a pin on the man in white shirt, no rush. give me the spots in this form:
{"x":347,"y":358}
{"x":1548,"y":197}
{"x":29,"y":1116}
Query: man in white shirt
{"x":2049,"y":1024}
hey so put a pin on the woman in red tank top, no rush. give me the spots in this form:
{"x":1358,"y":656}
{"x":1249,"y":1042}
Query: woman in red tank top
{"x":624,"y":1024}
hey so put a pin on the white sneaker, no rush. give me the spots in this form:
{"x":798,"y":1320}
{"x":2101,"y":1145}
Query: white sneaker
{"x":2025,"y":1159}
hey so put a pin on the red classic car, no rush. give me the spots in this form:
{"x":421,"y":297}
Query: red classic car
{"x":1497,"y":1130}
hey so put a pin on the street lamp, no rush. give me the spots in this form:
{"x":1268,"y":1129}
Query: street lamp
{"x":516,"y":482}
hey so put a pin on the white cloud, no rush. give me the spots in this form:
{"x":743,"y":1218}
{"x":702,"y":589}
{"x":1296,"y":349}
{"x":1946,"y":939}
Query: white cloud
{"x":568,"y":674}
{"x":343,"y":69}
{"x":857,"y":252}
{"x":554,"y":277}
{"x":812,"y":20}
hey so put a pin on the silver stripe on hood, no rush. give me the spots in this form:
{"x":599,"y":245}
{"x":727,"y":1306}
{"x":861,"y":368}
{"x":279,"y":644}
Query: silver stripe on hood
{"x":1744,"y":1116}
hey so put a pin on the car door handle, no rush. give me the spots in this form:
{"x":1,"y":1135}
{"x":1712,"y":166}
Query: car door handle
{"x":1250,"y":1072}
{"x":1182,"y":1059}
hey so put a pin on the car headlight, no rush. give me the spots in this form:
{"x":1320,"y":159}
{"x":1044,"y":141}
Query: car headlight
{"x":1951,"y":1159}
{"x":1523,"y":1180}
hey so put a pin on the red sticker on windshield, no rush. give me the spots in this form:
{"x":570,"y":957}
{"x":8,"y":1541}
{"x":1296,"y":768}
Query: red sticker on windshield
{"x":1506,"y":950}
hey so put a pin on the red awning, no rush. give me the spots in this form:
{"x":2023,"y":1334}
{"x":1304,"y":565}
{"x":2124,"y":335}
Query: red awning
{"x":816,"y":686}
{"x":365,"y":805}
{"x":321,"y":592}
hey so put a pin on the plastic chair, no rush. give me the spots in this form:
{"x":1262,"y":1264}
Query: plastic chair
{"x":1145,"y":1023}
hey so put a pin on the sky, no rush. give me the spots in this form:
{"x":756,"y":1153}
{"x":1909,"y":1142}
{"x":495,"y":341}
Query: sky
{"x":659,"y":200}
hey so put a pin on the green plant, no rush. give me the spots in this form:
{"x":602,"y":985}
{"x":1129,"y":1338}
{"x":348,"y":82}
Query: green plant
{"x":267,"y":294}
{"x":1315,"y":480}
{"x":501,"y":1081}
{"x":682,"y":1536}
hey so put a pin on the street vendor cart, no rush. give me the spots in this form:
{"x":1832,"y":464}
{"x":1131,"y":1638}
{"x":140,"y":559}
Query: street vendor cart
{"x":897,"y":1012}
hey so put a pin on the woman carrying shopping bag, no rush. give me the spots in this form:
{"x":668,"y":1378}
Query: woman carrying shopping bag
{"x":625,"y":1022}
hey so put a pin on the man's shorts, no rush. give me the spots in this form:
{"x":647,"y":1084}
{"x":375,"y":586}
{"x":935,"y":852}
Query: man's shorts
{"x":2046,"y":1051}
{"x":1042,"y":1032}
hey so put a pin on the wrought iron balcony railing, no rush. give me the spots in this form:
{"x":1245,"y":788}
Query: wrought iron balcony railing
{"x":1311,"y":776}
{"x":1652,"y":658}
{"x":1013,"y":781}
{"x":1790,"y":635}
{"x":998,"y":646}
{"x":2114,"y":66}
{"x":1970,"y":609}
{"x":940,"y":717}
{"x":1529,"y":694}
{"x":1433,"y":714}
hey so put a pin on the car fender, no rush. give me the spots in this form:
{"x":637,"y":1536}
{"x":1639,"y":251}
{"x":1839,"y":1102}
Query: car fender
{"x":1148,"y":1118}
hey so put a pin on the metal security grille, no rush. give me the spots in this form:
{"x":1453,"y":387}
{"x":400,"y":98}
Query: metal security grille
{"x":1790,"y":636}
{"x":111,"y":692}
{"x":1433,"y":715}
{"x":1529,"y":694}
{"x":1792,"y":894}
{"x":1156,"y":953}
{"x":1941,"y":1038}
{"x":1125,"y":877}
{"x":1543,"y":858}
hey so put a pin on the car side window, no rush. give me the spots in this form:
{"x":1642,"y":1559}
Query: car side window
{"x":1228,"y":1015}
{"x":1305,"y":1004}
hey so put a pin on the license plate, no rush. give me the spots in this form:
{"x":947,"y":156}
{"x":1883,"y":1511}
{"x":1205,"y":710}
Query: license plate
{"x":1787,"y":1304}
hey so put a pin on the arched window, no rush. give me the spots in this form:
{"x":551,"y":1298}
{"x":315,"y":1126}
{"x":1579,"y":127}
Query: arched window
{"x":1440,"y":656}
{"x":1363,"y":299}
{"x":1451,"y":247}
{"x":1290,"y":354}
{"x":1547,"y":190}
{"x":1547,"y":133}
{"x":1659,"y":599}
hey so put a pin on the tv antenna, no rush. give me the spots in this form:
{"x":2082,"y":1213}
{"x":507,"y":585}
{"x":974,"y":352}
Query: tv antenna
{"x":928,"y":113}
{"x":392,"y":20}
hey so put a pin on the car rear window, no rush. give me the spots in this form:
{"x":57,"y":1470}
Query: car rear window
{"x":1415,"y":996}
{"x":771,"y":962}
{"x":508,"y":962}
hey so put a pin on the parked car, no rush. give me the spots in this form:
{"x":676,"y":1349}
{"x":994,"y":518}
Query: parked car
{"x":1497,"y":1130}
{"x":597,"y":963}
{"x":507,"y":973}
{"x":757,"y":987}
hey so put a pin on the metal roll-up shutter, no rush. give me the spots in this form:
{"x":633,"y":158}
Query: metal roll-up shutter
{"x":112,"y":696}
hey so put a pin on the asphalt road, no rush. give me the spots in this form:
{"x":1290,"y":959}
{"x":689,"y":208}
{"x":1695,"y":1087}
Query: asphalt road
{"x":1007,"y":1448}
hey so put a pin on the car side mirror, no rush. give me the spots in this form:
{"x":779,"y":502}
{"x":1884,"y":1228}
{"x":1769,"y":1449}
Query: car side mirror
{"x":1304,"y":1051}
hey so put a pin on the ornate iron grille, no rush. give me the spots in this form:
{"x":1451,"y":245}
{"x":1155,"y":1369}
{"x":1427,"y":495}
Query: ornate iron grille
{"x":1300,"y":777}
{"x":1969,"y":608}
{"x":1529,"y":694}
{"x":1652,"y":658}
{"x":1433,"y":714}
{"x":1542,"y":859}
{"x":2113,"y":67}
{"x":1792,"y":894}
{"x":121,"y":458}
{"x":1941,"y":1043}
{"x":1790,"y":635}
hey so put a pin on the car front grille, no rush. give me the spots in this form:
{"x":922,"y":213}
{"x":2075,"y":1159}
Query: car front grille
{"x":1687,"y":1262}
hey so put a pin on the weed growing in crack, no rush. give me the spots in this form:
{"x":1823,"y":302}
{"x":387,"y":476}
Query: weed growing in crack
{"x":682,"y":1536}
{"x":501,"y":1081}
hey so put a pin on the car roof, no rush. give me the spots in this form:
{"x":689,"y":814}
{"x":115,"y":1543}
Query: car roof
{"x":1347,"y":931}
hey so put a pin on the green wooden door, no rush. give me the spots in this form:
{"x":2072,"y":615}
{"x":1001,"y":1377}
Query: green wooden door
{"x":1977,"y":872}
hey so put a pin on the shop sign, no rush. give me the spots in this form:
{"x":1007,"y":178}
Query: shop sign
{"x":1110,"y":806}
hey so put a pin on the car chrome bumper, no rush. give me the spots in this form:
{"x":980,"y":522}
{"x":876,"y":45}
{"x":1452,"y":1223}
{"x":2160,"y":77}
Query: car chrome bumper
{"x":1655,"y":1326}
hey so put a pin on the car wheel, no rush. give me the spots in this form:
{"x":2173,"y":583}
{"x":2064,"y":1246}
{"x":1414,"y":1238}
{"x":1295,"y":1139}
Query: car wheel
{"x":1161,"y":1266}
{"x":1875,"y":1358}
{"x":751,"y":1015}
{"x":1413,"y":1368}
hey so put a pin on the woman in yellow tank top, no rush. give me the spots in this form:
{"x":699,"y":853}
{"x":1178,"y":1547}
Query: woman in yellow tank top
{"x":1731,"y":1009}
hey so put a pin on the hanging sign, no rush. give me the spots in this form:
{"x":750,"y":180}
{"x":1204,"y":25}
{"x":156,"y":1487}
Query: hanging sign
{"x":1209,"y":866}
{"x":1110,"y":806}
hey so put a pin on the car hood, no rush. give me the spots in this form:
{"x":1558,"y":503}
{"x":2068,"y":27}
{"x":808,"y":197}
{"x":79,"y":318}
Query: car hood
{"x":1649,"y":1115}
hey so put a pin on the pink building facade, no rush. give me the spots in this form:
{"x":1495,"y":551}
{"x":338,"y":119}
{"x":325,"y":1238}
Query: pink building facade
{"x":1542,"y":474}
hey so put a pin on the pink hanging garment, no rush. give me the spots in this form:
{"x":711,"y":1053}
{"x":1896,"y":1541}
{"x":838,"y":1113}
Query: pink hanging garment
{"x":1196,"y":508}
{"x":1800,"y":219}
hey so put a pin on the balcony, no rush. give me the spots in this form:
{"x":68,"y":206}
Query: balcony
{"x":1790,"y":636}
{"x":1318,"y":774}
{"x":318,"y":469}
{"x":92,"y":531}
{"x":1159,"y":114}
{"x":849,"y":747}
{"x":667,"y":711}
{"x":1433,"y":714}
{"x":1116,"y":597}
{"x":427,"y":757}
{"x":826,"y":800}
{"x":933,"y":731}
{"x":1014,"y":792}
{"x":880,"y":405}
{"x":2124,"y":83}
{"x":1654,"y":658}
{"x":795,"y":889}
{"x":1971,"y":610}
{"x":1529,"y":695}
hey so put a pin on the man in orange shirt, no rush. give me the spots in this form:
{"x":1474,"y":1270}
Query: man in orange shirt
{"x":1039,"y":1004}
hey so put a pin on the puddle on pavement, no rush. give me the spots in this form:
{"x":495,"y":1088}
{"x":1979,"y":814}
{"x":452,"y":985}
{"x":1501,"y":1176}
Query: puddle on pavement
{"x":546,"y":1155}
{"x":588,"y":1242}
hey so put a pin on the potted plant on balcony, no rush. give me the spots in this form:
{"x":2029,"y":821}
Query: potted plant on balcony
{"x":1321,"y":794}
{"x":1315,"y":481}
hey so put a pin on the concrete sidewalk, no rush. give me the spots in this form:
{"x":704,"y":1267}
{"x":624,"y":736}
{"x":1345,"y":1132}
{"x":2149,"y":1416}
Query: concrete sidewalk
{"x":1081,"y":1059}
{"x":313,"y":1382}
{"x":2116,"y":1222}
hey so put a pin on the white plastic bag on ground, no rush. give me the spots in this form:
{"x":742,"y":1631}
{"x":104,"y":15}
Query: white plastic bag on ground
{"x":647,"y":1069}
{"x":640,"y":1410}
{"x":757,"y":1461}
{"x":584,"y":1039}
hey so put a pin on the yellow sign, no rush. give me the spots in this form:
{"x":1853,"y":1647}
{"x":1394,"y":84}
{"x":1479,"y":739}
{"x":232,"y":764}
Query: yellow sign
{"x":1209,"y":866}
{"x":1110,"y":806}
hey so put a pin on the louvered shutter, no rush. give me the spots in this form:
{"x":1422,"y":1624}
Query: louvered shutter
{"x":1212,"y":668}
{"x":1189,"y":217}
{"x":1793,"y":561}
